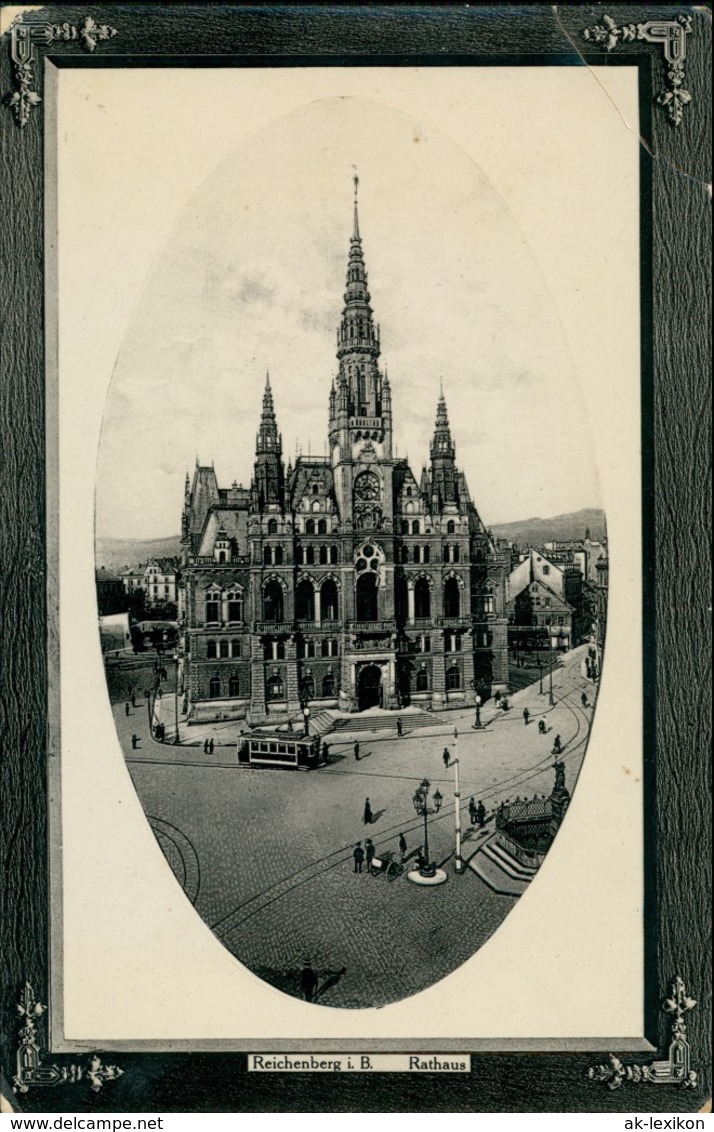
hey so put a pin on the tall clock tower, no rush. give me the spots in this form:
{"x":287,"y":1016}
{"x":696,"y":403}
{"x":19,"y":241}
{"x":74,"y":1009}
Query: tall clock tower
{"x":360,"y":427}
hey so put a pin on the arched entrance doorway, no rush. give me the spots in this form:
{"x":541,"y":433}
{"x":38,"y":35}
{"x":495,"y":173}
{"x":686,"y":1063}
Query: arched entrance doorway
{"x":369,"y":687}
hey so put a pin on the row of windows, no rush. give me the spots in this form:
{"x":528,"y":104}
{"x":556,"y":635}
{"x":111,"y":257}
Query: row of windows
{"x":231,"y":605}
{"x":326,"y":555}
{"x":413,"y":526}
{"x":223,"y":649}
{"x":423,"y":554}
{"x":275,"y":685}
{"x":306,"y":649}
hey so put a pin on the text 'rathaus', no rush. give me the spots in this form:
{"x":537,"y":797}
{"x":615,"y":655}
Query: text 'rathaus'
{"x":342,"y":582}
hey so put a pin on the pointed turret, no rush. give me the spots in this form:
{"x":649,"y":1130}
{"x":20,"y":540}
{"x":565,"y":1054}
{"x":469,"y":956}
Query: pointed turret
{"x":443,"y":455}
{"x":357,"y":337}
{"x":269,"y":471}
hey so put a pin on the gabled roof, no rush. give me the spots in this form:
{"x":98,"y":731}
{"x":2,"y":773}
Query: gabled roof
{"x":234,"y":522}
{"x":557,"y":603}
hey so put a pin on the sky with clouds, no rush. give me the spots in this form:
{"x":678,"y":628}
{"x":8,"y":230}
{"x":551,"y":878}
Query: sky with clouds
{"x":252,"y":280}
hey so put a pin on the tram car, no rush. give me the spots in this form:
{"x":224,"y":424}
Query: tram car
{"x":280,"y":750}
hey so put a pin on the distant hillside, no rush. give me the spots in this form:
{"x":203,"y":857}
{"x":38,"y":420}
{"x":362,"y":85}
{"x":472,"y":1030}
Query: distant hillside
{"x":116,"y":553}
{"x":560,"y":528}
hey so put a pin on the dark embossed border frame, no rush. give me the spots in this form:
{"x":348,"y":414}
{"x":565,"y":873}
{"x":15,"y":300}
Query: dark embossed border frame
{"x":675,"y":297}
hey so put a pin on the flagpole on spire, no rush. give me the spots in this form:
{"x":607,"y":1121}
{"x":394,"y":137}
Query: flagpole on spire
{"x":355,"y":179}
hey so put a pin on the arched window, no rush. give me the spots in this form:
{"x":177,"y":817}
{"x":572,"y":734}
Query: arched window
{"x":450,"y":527}
{"x":452,"y":598}
{"x":422,"y":680}
{"x":234,"y":686}
{"x":422,"y":598}
{"x":310,"y":555}
{"x":221,"y":556}
{"x":278,"y":555}
{"x":267,"y":556}
{"x":316,"y":505}
{"x":328,"y":685}
{"x":310,"y":527}
{"x":453,"y":678}
{"x":272,"y":526}
{"x":213,"y":607}
{"x":214,"y":688}
{"x":279,"y":650}
{"x":426,"y":555}
{"x":456,"y":554}
{"x":223,"y":649}
{"x":329,"y":605}
{"x":323,"y":556}
{"x":415,"y":554}
{"x":404,"y":554}
{"x":299,"y":555}
{"x":316,"y":489}
{"x":404,"y":526}
{"x":329,"y":647}
{"x":272,"y":601}
{"x":322,"y":527}
{"x":305,"y":601}
{"x":333,"y":556}
{"x":275,"y":688}
{"x":211,"y":650}
{"x":309,"y":649}
{"x":235,"y":648}
{"x":235,"y":605}
{"x":415,"y":527}
{"x":367,"y":597}
{"x":308,"y":688}
{"x":445,"y":554}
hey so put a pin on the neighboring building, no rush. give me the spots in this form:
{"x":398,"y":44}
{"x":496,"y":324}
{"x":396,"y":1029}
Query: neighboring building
{"x":111,"y":597}
{"x":158,"y":579}
{"x":537,"y":607}
{"x":344,"y":581}
{"x":603,"y":582}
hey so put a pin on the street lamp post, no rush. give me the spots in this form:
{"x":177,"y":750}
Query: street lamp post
{"x":425,"y":811}
{"x":478,"y":725}
{"x":458,"y":859}
{"x":176,"y":708}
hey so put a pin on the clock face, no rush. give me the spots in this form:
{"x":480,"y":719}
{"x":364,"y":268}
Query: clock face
{"x":367,"y":486}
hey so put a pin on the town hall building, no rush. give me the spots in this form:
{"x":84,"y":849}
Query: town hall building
{"x":343,"y":581}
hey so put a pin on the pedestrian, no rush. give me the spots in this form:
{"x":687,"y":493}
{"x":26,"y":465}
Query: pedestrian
{"x":308,"y":982}
{"x":370,"y":853}
{"x":126,"y":709}
{"x":473,"y":813}
{"x":133,"y":699}
{"x":356,"y":750}
{"x":210,"y":746}
{"x":402,"y":845}
{"x":367,"y":817}
{"x":134,"y":742}
{"x":556,"y":745}
{"x":584,"y":700}
{"x":325,"y":752}
{"x":400,"y":728}
{"x":481,"y":815}
{"x":526,"y":715}
{"x":497,"y":699}
{"x":358,"y":854}
{"x":542,"y":727}
{"x":205,"y":746}
{"x":446,"y":757}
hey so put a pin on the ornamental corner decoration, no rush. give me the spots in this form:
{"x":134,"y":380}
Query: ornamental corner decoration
{"x":30,"y":1070}
{"x":23,"y":39}
{"x":672,"y":34}
{"x":676,"y":1070}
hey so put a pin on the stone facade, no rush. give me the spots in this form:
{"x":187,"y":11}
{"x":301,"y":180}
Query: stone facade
{"x":342,"y":581}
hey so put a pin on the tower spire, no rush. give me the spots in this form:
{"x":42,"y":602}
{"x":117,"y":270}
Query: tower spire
{"x":443,"y":455}
{"x":355,"y":228}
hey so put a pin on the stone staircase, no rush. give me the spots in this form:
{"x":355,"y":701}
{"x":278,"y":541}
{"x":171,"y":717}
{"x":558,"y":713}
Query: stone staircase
{"x":501,"y":872}
{"x":379,"y":720}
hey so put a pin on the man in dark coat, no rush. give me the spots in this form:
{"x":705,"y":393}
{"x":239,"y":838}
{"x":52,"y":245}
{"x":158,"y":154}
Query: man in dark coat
{"x":402,"y":845}
{"x":446,"y":757}
{"x":356,"y":750}
{"x":473,"y":813}
{"x":400,"y":729}
{"x":370,"y":853}
{"x":367,"y":812}
{"x":481,"y":815}
{"x":308,"y":982}
{"x":358,"y":854}
{"x":557,"y":748}
{"x":526,"y":715}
